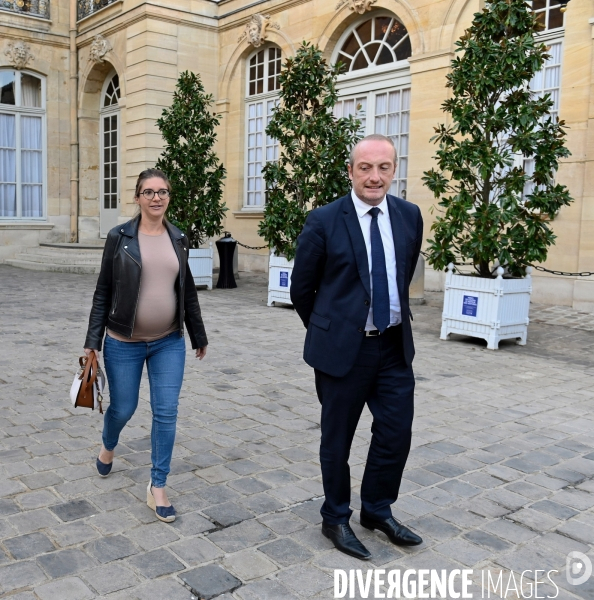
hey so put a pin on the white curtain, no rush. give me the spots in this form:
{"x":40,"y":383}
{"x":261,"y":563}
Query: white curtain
{"x":30,"y":91}
{"x":7,"y":166}
{"x":31,"y":167}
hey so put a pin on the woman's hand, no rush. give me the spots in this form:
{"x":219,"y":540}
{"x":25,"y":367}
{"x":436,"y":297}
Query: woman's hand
{"x":89,"y":350}
{"x":200,"y":353}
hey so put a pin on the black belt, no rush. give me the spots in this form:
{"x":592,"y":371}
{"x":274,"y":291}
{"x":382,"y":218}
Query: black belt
{"x":376,"y":332}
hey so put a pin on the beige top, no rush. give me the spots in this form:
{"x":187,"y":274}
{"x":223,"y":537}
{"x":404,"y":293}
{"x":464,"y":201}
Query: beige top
{"x":157,"y":303}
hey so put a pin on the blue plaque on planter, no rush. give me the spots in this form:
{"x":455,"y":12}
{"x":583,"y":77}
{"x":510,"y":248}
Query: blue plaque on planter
{"x":469,"y":305}
{"x":284,"y":279}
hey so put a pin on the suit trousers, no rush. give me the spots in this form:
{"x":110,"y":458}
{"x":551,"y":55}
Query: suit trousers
{"x":380,"y":378}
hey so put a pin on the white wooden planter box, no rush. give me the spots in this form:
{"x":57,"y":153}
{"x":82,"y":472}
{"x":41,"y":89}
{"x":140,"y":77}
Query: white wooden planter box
{"x":491,"y":309}
{"x":279,"y":279}
{"x":200,"y":260}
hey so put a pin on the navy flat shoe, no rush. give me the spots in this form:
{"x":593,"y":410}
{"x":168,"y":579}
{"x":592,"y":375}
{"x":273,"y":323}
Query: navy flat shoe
{"x":104,"y":469}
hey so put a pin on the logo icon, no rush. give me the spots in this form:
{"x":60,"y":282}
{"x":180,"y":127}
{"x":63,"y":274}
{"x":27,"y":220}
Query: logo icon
{"x":578,"y":568}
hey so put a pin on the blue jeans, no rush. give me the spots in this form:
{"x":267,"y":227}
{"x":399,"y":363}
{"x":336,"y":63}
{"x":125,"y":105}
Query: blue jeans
{"x":124,"y":361}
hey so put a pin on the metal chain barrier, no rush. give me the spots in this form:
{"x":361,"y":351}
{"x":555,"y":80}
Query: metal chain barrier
{"x":251,"y":247}
{"x":564,"y":273}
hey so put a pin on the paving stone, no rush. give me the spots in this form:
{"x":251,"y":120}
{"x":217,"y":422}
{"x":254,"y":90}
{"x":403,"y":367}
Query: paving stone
{"x":156,"y":563}
{"x":243,"y":535}
{"x":249,"y":485}
{"x":196,"y":550}
{"x":20,"y":575}
{"x":265,"y":590}
{"x":488,"y":540}
{"x":554,"y":509}
{"x":228,"y":513}
{"x":111,"y":548}
{"x":286,"y":552}
{"x":71,"y":588}
{"x":283,"y":523}
{"x":249,"y":564}
{"x":191,"y":524}
{"x":152,"y":536}
{"x":168,"y":589}
{"x":26,"y":546}
{"x":108,"y":579}
{"x":76,"y":509}
{"x":65,"y":562}
{"x":210,"y":581}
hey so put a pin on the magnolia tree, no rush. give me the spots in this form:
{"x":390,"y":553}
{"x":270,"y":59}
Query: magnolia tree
{"x":314,"y":148}
{"x":193,"y":168}
{"x":492,"y":210}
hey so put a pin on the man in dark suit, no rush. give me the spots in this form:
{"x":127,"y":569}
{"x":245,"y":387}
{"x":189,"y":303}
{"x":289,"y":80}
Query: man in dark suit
{"x":355,"y":259}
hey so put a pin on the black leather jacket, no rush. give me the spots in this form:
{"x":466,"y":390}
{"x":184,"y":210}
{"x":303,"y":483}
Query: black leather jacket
{"x":116,"y":296}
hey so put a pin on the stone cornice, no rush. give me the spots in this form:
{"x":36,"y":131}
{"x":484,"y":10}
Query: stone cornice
{"x":35,"y":37}
{"x":147,"y":10}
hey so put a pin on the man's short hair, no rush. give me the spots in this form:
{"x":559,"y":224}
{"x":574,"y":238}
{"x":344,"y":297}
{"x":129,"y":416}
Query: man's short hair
{"x":378,"y":137}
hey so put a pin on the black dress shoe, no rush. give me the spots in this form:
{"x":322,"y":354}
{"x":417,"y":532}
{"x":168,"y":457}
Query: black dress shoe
{"x":398,"y":533}
{"x":345,"y":540}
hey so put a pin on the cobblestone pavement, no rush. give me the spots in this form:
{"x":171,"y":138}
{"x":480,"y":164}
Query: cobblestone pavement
{"x":500,"y":478}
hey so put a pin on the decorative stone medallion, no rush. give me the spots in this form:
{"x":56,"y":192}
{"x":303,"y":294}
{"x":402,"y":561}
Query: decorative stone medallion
{"x":19,"y":54}
{"x":358,"y":6}
{"x":256,"y":30}
{"x":99,"y":48}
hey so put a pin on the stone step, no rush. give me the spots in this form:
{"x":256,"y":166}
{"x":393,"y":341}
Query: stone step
{"x":63,"y":258}
{"x":93,"y":255}
{"x":48,"y":266}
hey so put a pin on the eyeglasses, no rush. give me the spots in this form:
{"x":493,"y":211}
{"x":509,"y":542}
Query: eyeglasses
{"x":150,"y":194}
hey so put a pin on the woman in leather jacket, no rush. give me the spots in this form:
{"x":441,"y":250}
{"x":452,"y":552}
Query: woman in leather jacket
{"x":145,"y":293}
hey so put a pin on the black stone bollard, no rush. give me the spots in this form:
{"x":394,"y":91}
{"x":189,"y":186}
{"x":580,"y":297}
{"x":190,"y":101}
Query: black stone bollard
{"x":226,"y":248}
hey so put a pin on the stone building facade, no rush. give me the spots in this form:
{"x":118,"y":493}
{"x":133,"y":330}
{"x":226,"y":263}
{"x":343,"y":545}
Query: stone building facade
{"x":89,"y":78}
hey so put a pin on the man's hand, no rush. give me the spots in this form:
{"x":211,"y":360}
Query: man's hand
{"x":200,"y":353}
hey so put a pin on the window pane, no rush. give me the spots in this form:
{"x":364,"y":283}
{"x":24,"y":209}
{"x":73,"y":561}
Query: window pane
{"x":7,"y":87}
{"x":31,"y":133}
{"x":380,"y":104}
{"x":538,"y":4}
{"x":351,"y":45}
{"x":381,"y":27}
{"x":360,"y":62}
{"x":403,"y":51}
{"x":555,"y":18}
{"x":364,"y":31}
{"x":30,"y":91}
{"x":31,"y":168}
{"x":397,"y":32}
{"x":7,"y":198}
{"x":32,"y":201}
{"x":7,"y":131}
{"x":372,"y":50}
{"x":386,"y":56}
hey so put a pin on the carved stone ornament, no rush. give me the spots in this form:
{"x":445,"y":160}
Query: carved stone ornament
{"x":19,"y":54}
{"x":358,"y":6}
{"x":99,"y":48}
{"x":256,"y":31}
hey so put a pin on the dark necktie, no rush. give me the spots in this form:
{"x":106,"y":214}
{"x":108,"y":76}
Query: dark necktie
{"x":379,"y":276}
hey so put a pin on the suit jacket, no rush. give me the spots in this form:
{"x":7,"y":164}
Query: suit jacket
{"x":330,"y":283}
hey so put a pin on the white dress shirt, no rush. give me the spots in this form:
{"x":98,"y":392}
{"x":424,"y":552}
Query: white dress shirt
{"x":383,"y":221}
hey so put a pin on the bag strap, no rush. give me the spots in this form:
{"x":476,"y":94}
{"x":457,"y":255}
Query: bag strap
{"x":89,"y":374}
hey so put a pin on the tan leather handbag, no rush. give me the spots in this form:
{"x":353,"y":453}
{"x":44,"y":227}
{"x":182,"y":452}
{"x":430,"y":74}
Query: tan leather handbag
{"x":87,"y":388}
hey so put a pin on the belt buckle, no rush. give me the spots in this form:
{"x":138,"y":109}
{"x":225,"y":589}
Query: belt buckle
{"x":372,"y":333}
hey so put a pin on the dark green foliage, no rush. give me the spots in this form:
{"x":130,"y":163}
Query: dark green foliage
{"x":196,"y":175}
{"x":495,"y":117}
{"x":311,"y":170}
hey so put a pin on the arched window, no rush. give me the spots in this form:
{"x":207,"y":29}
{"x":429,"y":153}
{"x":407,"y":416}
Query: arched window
{"x":22,"y":145}
{"x":263,"y":84}
{"x":109,"y":154}
{"x":375,"y":85}
{"x":377,"y":41}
